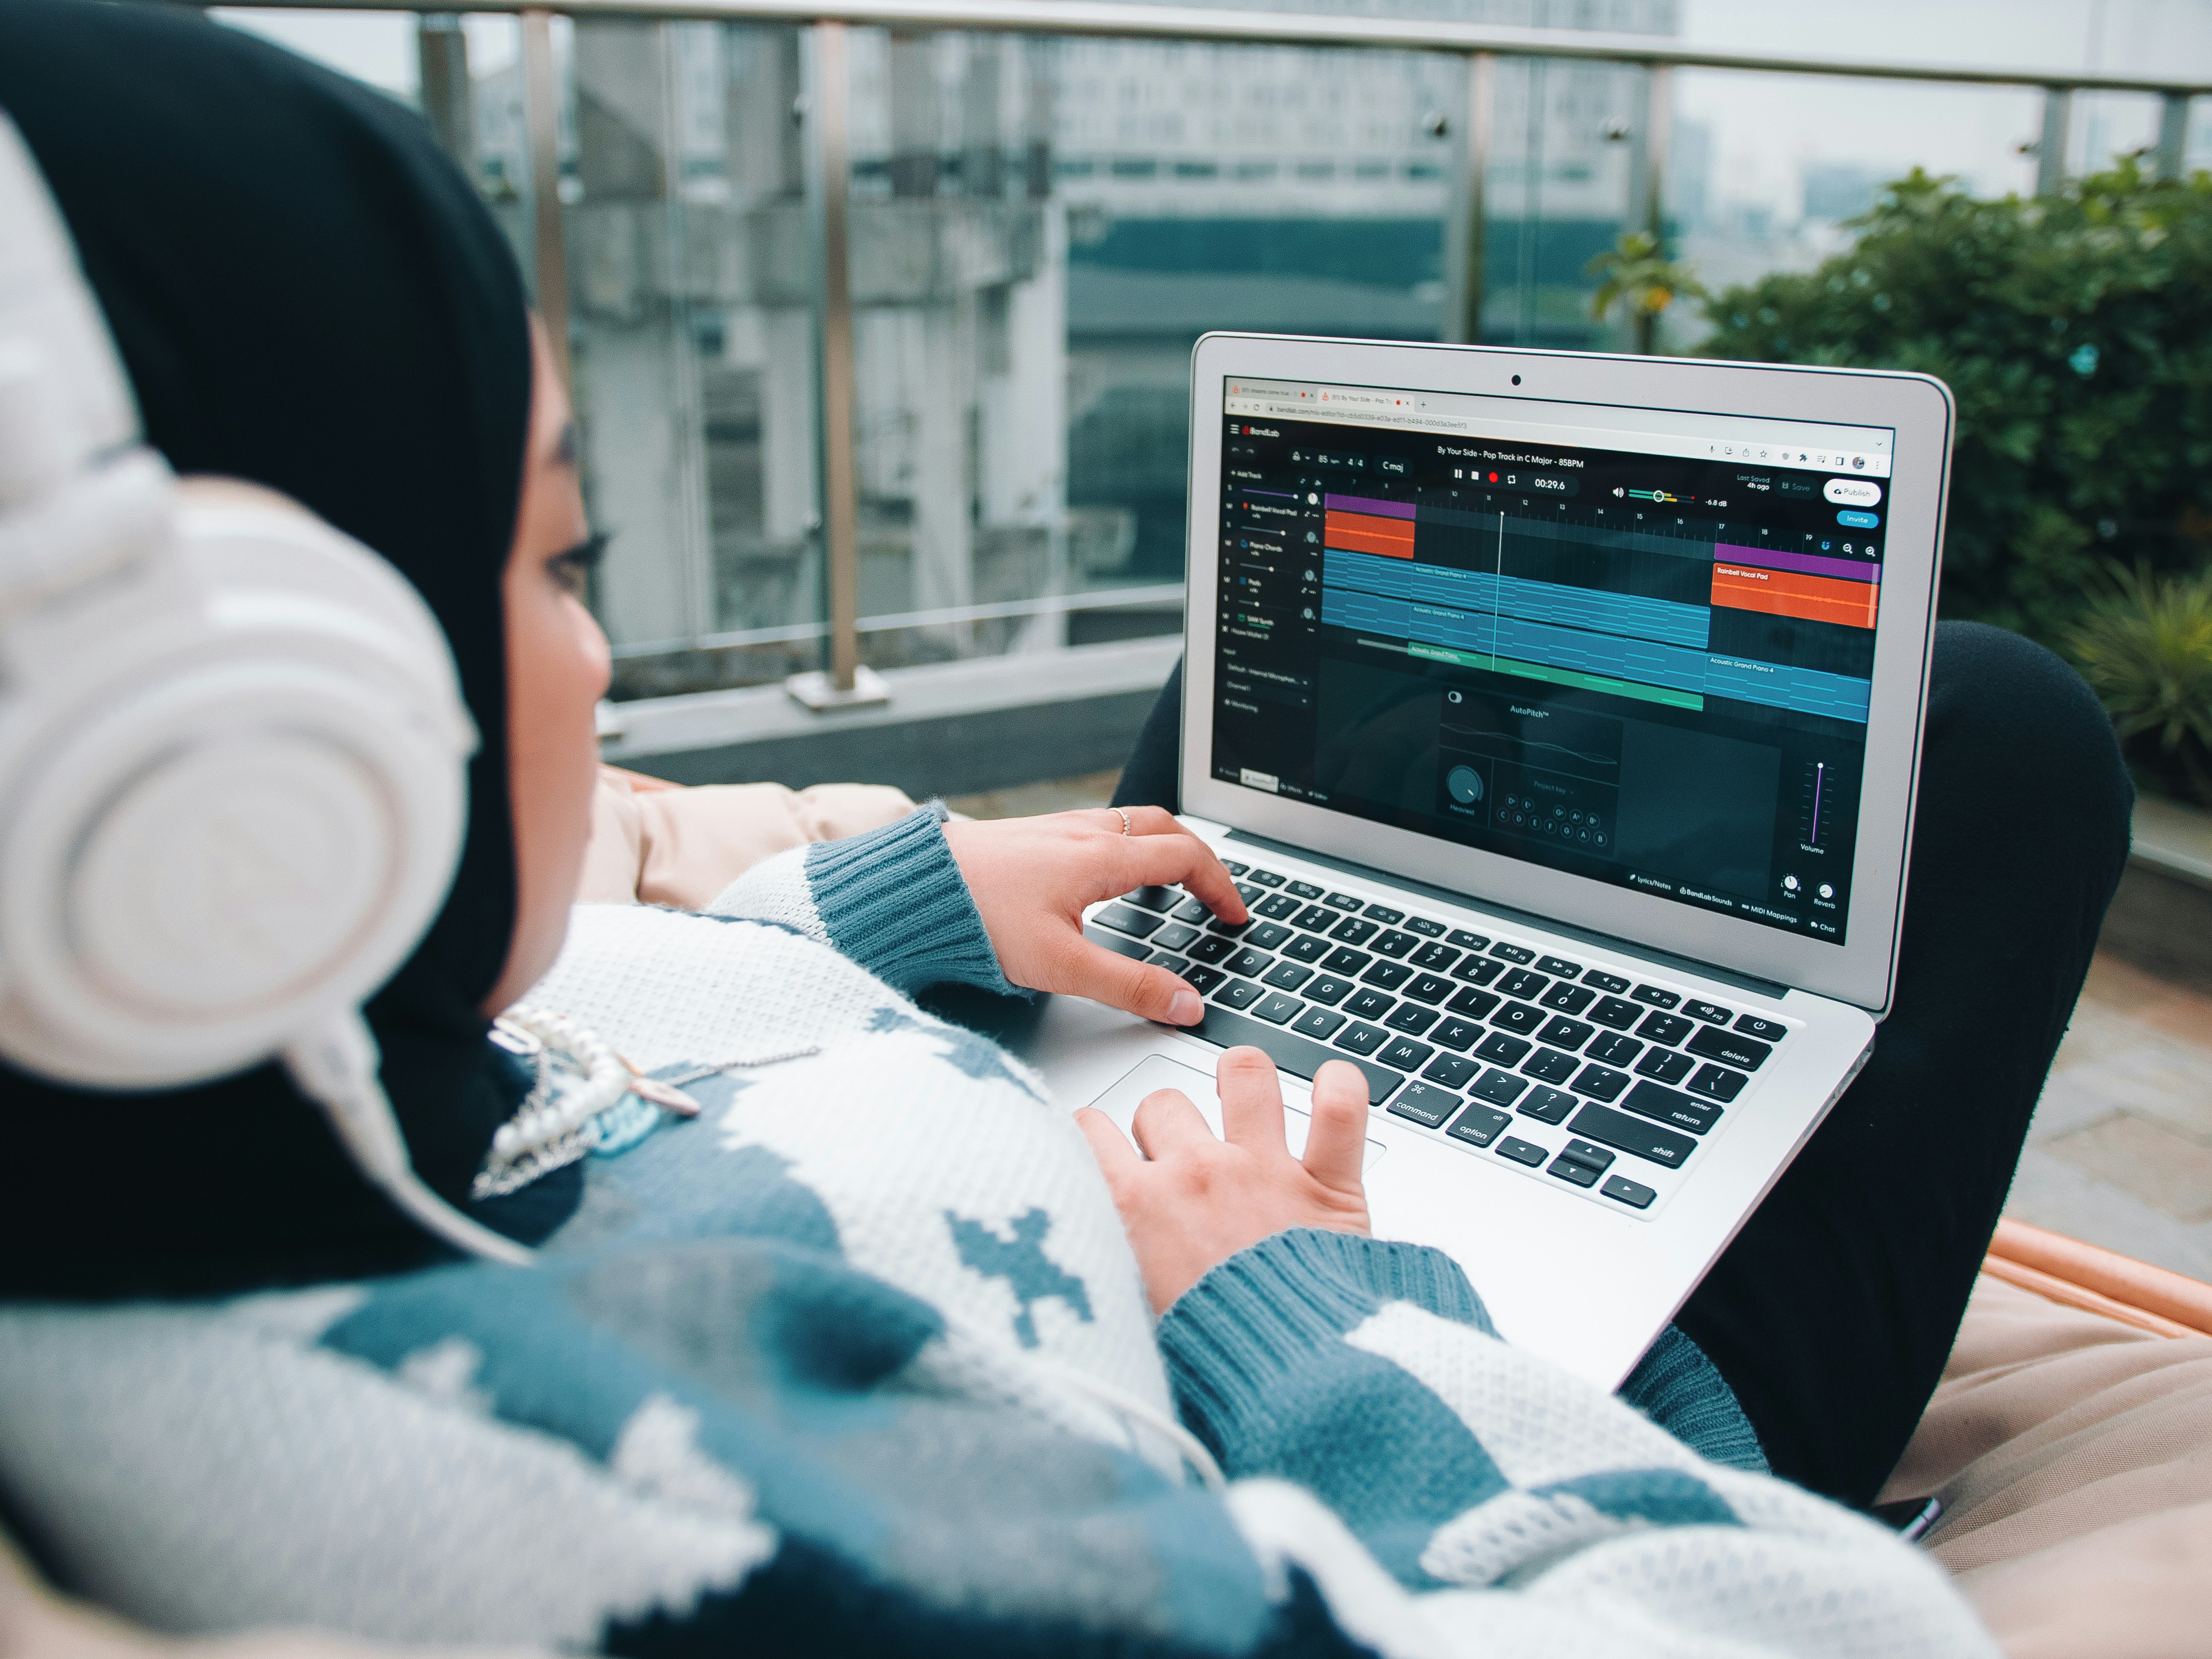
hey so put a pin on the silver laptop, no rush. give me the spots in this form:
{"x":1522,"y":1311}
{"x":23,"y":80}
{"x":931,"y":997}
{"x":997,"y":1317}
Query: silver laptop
{"x":1559,"y":715}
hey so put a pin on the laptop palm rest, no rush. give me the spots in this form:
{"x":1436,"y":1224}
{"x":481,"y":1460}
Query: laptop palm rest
{"x":1156,"y":1071}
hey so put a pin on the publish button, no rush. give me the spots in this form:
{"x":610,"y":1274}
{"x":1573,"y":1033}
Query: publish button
{"x":1857,"y":520}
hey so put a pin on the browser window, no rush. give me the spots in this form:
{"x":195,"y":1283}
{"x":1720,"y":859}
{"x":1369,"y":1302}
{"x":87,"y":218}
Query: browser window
{"x":1635,"y":644}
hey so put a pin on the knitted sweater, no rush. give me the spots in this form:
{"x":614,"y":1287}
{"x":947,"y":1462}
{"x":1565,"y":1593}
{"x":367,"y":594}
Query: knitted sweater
{"x":859,"y":1361}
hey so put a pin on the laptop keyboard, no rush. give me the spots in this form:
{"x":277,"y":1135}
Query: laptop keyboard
{"x":1584,"y":1072}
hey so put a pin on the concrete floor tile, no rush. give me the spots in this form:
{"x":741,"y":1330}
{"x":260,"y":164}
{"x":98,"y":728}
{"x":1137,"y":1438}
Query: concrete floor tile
{"x":2049,"y":1192}
{"x":1028,"y":800}
{"x":2171,"y":1174}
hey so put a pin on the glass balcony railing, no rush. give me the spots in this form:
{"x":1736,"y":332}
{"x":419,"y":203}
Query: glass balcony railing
{"x":878,"y":318}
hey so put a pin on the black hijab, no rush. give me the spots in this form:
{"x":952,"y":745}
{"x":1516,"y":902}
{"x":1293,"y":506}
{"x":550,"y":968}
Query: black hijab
{"x":307,"y":294}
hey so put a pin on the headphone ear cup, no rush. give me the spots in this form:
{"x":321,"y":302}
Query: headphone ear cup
{"x":232,"y":837}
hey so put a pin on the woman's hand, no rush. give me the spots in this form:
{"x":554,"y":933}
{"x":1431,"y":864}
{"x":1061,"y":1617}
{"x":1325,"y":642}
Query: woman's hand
{"x":1031,"y":878}
{"x":1199,"y":1200}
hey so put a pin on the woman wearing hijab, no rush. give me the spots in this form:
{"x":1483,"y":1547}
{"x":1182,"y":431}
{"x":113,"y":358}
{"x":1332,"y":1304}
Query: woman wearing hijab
{"x":837,"y":1341}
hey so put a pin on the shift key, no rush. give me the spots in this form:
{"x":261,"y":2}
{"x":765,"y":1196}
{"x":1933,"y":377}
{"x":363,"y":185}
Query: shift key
{"x":1633,"y":1135}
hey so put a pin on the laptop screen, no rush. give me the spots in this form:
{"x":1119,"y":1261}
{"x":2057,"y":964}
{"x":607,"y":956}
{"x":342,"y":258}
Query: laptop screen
{"x":1632,"y":645}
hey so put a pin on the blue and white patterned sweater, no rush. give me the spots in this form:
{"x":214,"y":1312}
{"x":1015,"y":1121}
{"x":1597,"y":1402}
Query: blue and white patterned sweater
{"x":836,"y":1368}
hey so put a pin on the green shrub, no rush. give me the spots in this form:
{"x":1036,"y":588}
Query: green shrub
{"x":2145,"y":643}
{"x":2076,"y":331}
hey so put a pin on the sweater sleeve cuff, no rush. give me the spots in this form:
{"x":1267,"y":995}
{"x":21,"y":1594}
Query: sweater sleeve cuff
{"x":893,"y":900}
{"x":1232,"y":1340}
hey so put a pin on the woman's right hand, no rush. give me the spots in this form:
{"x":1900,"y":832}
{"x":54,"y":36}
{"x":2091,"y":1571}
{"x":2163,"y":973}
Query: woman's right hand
{"x":1192,"y":1202}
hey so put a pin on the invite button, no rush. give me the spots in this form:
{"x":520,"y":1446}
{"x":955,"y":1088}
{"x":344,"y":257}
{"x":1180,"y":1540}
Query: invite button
{"x":1857,"y":520}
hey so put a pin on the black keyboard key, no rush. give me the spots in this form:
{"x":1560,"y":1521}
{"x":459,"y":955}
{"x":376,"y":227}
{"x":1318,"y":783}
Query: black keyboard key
{"x":1315,"y":919}
{"x":1238,"y":994}
{"x":1614,"y":1049}
{"x":1522,"y":1152}
{"x":1711,"y":1013}
{"x":1589,"y":1154}
{"x":1228,"y":929}
{"x":1362,"y":1039}
{"x":1265,"y":877}
{"x":1193,"y":910}
{"x":1601,"y":1082}
{"x":1501,"y":1049}
{"x":1267,"y":936}
{"x":1411,"y":1018}
{"x":1467,"y":941}
{"x":1161,"y":899}
{"x":1276,"y":1007}
{"x":1407,"y":1054}
{"x":1304,"y":889}
{"x":1328,"y":989}
{"x":1500,"y":1088}
{"x":1233,"y":867}
{"x":1520,"y":953}
{"x":1473,"y":1003}
{"x":1173,"y":937}
{"x":1294,"y":1054}
{"x":1564,"y":1033}
{"x":1341,"y":901}
{"x":1425,"y":928}
{"x":1634,"y":1136}
{"x":1385,"y":914}
{"x":1719,"y":1082}
{"x":1456,"y":1034}
{"x":1666,"y":1106}
{"x":1612,"y":1010}
{"x":1124,"y":918}
{"x":1248,"y":893}
{"x":1370,"y":1005}
{"x":1520,"y":1017}
{"x":1547,"y":1106}
{"x":1480,"y":969}
{"x":1670,"y":1029}
{"x":1306,"y":947}
{"x":1394,"y":944}
{"x":1655,"y":996}
{"x":1567,"y":998}
{"x":1478,"y":1126}
{"x":1451,"y":1071}
{"x":1522,"y":984}
{"x":1766,"y":1030}
{"x":1319,"y":1024}
{"x":1170,"y":961}
{"x":1665,"y":1065}
{"x":1433,"y":957}
{"x":1277,"y":907}
{"x":1559,"y":967}
{"x":1353,"y":931}
{"x":1633,"y":1193}
{"x":1249,"y":963}
{"x":1550,"y":1066}
{"x":1744,"y":1053}
{"x":1611,"y":983}
{"x":1346,"y":961}
{"x":1578,"y":1175}
{"x":1120,"y":944}
{"x":1200,"y":978}
{"x":1429,"y":1107}
{"x":1286,"y":976}
{"x":1428,"y":987}
{"x":1387,"y":975}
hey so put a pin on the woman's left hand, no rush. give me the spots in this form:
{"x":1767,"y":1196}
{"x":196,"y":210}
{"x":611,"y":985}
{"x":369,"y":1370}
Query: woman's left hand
{"x":1031,"y":878}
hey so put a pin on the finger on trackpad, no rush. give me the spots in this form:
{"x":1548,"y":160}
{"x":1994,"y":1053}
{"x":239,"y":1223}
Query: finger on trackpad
{"x":1156,"y":1071}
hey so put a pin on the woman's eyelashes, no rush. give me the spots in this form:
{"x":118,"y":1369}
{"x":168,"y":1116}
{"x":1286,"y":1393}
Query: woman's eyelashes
{"x":571,"y":569}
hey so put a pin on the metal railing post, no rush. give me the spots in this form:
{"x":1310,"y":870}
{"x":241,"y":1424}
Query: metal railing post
{"x":2173,"y":134}
{"x":1652,"y":148}
{"x":830,"y":167}
{"x":541,"y":113}
{"x":1468,"y":223}
{"x":2050,"y":148}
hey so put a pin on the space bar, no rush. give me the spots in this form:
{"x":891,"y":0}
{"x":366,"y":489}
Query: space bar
{"x":1294,"y":1054}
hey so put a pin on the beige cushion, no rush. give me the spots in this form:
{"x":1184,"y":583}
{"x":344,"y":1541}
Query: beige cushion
{"x":2074,"y":1456}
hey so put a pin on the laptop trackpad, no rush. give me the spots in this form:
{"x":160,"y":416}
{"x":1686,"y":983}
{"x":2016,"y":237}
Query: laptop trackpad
{"x":1157,"y":1072}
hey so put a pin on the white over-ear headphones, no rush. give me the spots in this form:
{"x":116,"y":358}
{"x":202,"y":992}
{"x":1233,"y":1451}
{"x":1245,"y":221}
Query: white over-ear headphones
{"x":233,"y":747}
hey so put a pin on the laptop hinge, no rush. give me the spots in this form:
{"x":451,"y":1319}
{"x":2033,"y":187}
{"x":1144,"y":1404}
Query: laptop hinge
{"x":1766,"y":988}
